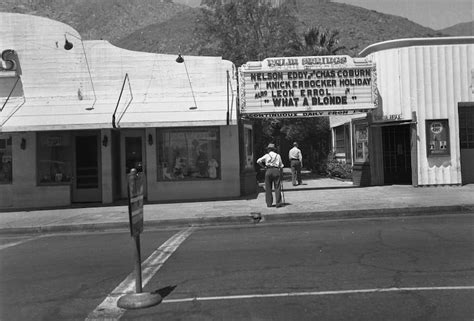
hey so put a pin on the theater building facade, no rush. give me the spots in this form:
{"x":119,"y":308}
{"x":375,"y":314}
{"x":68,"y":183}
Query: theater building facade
{"x":422,"y":131}
{"x":77,"y":115}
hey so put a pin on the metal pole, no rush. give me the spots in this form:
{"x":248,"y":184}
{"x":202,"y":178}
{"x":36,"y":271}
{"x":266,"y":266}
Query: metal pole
{"x":138,"y":265}
{"x":281,"y":185}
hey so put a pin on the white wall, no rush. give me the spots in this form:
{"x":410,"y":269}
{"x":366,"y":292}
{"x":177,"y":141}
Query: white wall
{"x":80,"y":88}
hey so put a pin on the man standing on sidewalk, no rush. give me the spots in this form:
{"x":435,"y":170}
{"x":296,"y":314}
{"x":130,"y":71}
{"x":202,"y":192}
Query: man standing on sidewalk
{"x":296,"y":160}
{"x":273,"y":174}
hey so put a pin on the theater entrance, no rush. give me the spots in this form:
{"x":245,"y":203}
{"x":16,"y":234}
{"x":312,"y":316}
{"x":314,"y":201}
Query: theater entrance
{"x":396,"y":154}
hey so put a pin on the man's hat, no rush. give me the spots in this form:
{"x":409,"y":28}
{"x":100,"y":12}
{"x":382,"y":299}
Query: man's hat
{"x":271,"y":146}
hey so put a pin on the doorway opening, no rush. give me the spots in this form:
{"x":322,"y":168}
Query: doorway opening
{"x":86,"y":185}
{"x":133,"y":156}
{"x":396,"y":154}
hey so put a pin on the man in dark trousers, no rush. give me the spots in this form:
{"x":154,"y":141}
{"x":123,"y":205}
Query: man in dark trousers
{"x":274,"y":167}
{"x":296,"y":160}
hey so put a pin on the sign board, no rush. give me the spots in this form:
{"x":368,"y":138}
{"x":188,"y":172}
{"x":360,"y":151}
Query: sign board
{"x":307,"y":87}
{"x":135,"y":202}
{"x":10,"y":75}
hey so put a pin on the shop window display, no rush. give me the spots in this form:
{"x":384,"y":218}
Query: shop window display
{"x":361,"y":148}
{"x":248,"y":141}
{"x":6,"y":160}
{"x":54,"y":158}
{"x":188,"y":154}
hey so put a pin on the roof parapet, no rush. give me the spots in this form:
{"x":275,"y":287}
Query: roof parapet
{"x":410,"y":42}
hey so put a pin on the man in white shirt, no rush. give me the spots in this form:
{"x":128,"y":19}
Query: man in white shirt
{"x":296,"y":162}
{"x":272,"y":162}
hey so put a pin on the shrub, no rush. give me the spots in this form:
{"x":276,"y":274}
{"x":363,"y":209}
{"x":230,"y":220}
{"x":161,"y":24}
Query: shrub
{"x":335,"y":168}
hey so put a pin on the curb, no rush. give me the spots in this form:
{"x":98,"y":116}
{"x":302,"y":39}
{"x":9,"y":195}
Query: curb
{"x":374,"y":213}
{"x":252,"y":218}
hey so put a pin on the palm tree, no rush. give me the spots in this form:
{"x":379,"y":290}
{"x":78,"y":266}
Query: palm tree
{"x":319,"y":41}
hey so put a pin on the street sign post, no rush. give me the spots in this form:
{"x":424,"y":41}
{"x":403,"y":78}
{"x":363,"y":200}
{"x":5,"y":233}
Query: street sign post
{"x":135,"y":210}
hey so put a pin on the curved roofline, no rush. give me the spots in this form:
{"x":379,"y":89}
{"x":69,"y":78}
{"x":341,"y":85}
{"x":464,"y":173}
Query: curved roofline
{"x":410,"y":42}
{"x":36,"y":17}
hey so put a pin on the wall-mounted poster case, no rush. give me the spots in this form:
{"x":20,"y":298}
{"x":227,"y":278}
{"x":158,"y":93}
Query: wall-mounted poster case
{"x":437,"y":136}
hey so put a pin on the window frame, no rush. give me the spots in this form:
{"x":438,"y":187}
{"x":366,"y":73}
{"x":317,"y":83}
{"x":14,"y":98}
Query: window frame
{"x":8,"y":142}
{"x":161,"y":155}
{"x":361,"y":140}
{"x":52,"y":182}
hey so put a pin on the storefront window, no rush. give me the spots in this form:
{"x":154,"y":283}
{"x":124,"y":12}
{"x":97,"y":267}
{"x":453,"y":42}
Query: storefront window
{"x":5,"y":160}
{"x":361,"y":144}
{"x":188,"y":154}
{"x":54,"y":158}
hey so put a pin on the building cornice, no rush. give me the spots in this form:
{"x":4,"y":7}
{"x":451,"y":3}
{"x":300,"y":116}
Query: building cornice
{"x":411,"y":42}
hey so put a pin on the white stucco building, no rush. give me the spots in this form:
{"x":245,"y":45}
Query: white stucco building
{"x":77,"y":115}
{"x":422,"y":132}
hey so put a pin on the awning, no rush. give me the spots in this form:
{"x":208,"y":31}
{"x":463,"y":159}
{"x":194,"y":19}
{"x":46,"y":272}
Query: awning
{"x":393,"y":123}
{"x":46,"y":115}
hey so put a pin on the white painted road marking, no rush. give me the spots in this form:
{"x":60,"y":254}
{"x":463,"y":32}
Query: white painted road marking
{"x":5,"y":246}
{"x":318,"y":293}
{"x":108,"y":309}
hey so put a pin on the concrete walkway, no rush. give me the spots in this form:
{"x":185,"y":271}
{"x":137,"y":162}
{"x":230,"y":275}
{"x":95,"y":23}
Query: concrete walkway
{"x":317,"y":198}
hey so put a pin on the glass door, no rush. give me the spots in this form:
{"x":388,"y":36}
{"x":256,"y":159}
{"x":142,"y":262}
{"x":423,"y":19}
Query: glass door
{"x":133,"y":156}
{"x":86,"y":185}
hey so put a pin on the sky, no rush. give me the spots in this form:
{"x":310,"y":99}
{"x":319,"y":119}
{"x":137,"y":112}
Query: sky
{"x":435,"y":14}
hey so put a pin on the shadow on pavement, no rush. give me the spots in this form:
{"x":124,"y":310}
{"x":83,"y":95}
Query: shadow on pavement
{"x":164,"y":292}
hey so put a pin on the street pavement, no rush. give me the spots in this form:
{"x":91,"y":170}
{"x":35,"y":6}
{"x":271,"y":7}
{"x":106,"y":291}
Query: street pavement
{"x":317,"y":198}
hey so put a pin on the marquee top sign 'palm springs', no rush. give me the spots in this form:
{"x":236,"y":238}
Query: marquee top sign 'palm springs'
{"x":307,"y":87}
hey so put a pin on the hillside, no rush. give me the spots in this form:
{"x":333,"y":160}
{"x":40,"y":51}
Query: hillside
{"x":162,"y":26}
{"x":358,"y":28}
{"x":98,"y":19}
{"x":172,"y":36}
{"x":460,"y":29}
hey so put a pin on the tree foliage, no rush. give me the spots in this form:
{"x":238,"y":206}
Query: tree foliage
{"x":246,"y":30}
{"x":319,"y":41}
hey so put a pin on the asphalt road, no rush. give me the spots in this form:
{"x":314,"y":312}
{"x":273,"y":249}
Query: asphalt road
{"x":416,"y":268}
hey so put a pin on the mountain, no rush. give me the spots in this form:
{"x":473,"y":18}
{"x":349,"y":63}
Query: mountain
{"x":99,"y":19}
{"x":460,"y":29}
{"x":358,"y":28}
{"x":172,"y":36}
{"x":167,"y":27}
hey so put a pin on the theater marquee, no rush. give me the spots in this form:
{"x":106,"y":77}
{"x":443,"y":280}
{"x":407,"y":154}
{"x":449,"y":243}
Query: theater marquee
{"x":307,"y":87}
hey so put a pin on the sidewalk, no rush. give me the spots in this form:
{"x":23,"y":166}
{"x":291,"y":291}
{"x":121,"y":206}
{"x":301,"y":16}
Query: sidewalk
{"x":317,"y":198}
